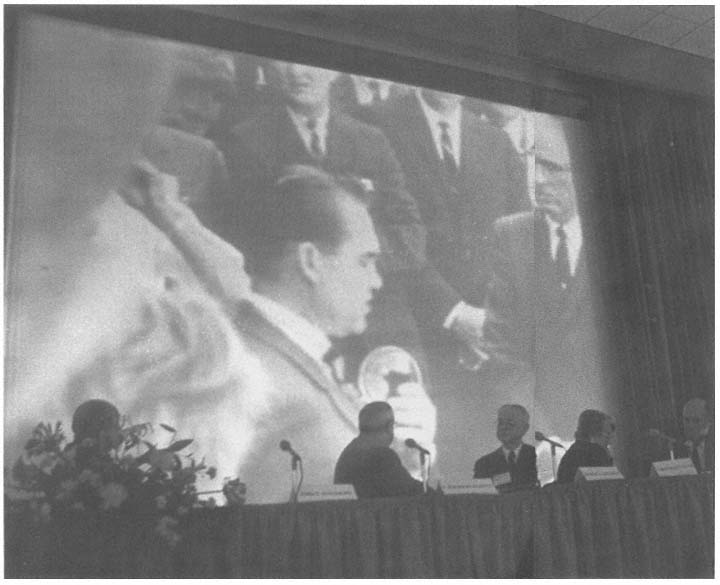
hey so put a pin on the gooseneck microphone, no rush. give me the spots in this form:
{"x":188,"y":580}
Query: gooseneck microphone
{"x":295,"y":459}
{"x":540,"y":437}
{"x":412,"y":444}
{"x":285,"y":446}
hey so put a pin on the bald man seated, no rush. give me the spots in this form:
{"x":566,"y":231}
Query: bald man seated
{"x":368,"y":462}
{"x":514,"y":465}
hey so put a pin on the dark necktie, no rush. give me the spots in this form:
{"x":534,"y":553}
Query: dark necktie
{"x":374,"y":87}
{"x":562,"y":259}
{"x":315,"y":145}
{"x":447,"y":148}
{"x":511,"y":464}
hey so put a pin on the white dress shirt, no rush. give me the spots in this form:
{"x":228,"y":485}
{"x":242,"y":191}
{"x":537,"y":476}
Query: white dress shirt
{"x":573,"y":230}
{"x":301,"y":124}
{"x":312,"y":340}
{"x":434,"y":118}
{"x":364,"y":93}
{"x":507,"y":451}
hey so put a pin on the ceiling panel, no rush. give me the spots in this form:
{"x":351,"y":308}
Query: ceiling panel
{"x":664,"y":30}
{"x":696,"y":14}
{"x":622,"y":19}
{"x":689,"y":28}
{"x":574,"y":13}
{"x":701,"y":42}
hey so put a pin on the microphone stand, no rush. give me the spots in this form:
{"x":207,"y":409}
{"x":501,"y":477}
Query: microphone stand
{"x":424,"y":472}
{"x":295,"y":487}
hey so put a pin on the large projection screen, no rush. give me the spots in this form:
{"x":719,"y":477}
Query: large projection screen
{"x":101,"y":303}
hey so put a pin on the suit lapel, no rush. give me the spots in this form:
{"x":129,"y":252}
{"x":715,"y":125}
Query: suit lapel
{"x":251,"y":323}
{"x":340,"y":142}
{"x":290,"y":147}
{"x":547,"y":287}
{"x":578,"y":285}
{"x":421,"y":136}
{"x":500,"y":460}
{"x":471,"y":145}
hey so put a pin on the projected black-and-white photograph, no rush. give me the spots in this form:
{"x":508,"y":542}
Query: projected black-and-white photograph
{"x":192,"y":232}
{"x":284,"y":304}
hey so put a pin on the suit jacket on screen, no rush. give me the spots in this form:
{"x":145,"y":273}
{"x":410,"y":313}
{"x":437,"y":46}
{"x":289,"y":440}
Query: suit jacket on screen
{"x":262,"y":146}
{"x":458,"y":212}
{"x":300,"y":403}
{"x":533,"y":323}
{"x":199,"y":167}
{"x":524,"y":475}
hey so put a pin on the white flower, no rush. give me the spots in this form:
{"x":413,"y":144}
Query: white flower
{"x":113,"y":495}
{"x":91,"y":477}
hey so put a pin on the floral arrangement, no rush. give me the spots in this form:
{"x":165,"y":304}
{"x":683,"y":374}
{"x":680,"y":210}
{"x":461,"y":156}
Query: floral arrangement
{"x":111,"y":467}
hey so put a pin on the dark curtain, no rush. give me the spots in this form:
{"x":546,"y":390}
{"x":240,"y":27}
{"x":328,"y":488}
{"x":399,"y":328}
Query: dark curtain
{"x":652,"y":212}
{"x":642,"y":528}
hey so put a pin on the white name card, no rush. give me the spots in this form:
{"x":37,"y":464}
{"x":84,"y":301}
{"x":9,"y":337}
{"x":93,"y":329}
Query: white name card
{"x":324,"y":492}
{"x":597,"y":473}
{"x":501,"y":479}
{"x":673,"y":467}
{"x":468,"y":486}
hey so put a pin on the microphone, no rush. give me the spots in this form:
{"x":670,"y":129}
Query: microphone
{"x":659,"y":435}
{"x":285,"y":446}
{"x":540,"y":437}
{"x":412,"y":444}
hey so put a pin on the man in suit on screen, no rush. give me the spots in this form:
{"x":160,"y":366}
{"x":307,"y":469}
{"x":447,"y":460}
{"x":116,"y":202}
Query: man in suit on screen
{"x":464,"y":174}
{"x":306,"y":128}
{"x":513,"y":465}
{"x":316,"y":252}
{"x":540,"y":308}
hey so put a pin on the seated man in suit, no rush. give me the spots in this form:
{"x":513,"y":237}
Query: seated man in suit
{"x":368,"y":462}
{"x":699,"y":435}
{"x":512,"y":466}
{"x":595,"y":432}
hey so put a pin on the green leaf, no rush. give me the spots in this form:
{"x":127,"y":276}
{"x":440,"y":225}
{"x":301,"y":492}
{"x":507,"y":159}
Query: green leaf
{"x":179,"y":445}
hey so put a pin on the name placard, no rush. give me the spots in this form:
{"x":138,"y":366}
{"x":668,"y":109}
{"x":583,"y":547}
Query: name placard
{"x":673,"y":467}
{"x":324,"y":492}
{"x":501,"y":479}
{"x":597,"y":473}
{"x":468,"y":486}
